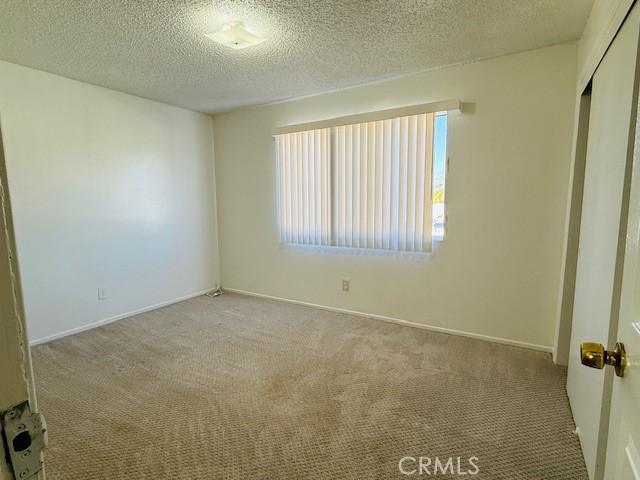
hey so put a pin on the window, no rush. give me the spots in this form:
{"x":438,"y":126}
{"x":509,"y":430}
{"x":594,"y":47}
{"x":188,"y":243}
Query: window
{"x":375,"y":184}
{"x":439,"y":174}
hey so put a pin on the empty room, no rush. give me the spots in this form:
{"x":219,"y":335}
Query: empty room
{"x":287,"y":240}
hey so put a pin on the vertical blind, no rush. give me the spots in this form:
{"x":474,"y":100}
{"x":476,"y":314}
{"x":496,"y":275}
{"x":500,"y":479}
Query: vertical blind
{"x":304,"y":172}
{"x":365,"y":185}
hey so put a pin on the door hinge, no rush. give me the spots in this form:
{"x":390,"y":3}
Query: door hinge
{"x":24,"y":435}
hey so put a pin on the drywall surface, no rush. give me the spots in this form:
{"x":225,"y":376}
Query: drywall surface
{"x":108,"y":191}
{"x":497,"y":273}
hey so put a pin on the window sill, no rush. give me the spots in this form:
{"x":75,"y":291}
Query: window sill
{"x":361,"y":251}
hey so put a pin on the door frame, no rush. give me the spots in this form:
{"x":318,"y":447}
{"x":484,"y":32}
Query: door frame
{"x":572,"y":234}
{"x":16,"y":374}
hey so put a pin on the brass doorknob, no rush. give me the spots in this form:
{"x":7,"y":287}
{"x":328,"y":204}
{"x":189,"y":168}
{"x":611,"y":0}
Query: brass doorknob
{"x":594,"y":355}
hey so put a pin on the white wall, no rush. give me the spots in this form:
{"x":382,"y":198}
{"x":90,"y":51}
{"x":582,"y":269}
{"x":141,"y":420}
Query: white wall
{"x":497,"y":273}
{"x":108,"y":190}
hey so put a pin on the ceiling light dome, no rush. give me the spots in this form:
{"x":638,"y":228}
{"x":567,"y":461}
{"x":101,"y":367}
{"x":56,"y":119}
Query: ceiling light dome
{"x":235,"y":35}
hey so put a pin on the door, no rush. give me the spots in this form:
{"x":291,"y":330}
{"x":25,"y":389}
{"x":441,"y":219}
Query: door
{"x":16,"y":378}
{"x":602,"y":237}
{"x":623,"y":454}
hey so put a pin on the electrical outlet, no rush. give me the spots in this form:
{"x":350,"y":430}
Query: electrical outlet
{"x":102,"y":293}
{"x":346,"y":285}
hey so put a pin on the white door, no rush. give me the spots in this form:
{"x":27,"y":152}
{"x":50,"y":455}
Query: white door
{"x":623,"y":450}
{"x":16,"y":379}
{"x":601,"y":245}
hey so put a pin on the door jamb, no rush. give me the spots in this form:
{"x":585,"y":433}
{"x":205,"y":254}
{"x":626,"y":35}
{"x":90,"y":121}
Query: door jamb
{"x":16,"y":374}
{"x":572,"y":235}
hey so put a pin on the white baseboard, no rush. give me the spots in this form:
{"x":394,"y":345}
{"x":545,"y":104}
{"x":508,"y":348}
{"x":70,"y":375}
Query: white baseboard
{"x":115,"y":318}
{"x":398,"y":321}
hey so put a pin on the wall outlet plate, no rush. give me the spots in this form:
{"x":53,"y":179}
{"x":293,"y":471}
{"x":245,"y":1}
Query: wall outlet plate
{"x":346,"y":285}
{"x":102,"y":293}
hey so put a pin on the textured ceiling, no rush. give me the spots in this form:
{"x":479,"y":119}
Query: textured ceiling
{"x":157,"y":48}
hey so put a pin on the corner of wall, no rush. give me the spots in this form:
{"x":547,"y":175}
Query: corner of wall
{"x":216,"y":222}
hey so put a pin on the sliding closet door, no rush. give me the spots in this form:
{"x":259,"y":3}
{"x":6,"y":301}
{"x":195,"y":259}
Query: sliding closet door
{"x":602,"y":238}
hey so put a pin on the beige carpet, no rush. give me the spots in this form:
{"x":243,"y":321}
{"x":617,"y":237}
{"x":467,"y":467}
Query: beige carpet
{"x":236,"y":387}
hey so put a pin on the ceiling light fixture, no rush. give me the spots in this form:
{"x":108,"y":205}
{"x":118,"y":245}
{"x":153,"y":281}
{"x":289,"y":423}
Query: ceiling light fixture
{"x":235,"y":35}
